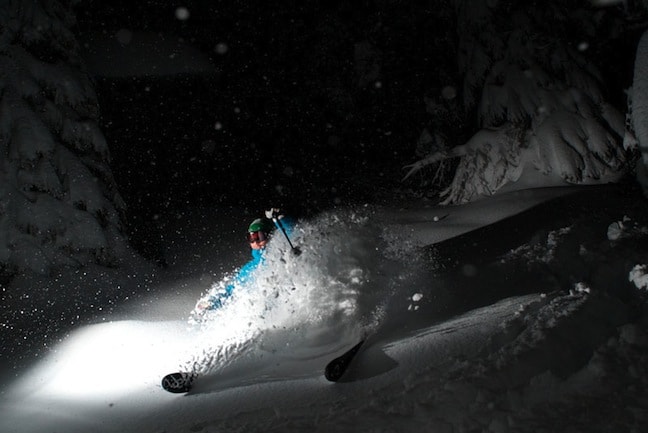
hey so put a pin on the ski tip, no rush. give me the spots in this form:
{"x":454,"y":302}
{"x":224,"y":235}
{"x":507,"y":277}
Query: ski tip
{"x":336,"y":368}
{"x":334,"y":371}
{"x":178,"y":383}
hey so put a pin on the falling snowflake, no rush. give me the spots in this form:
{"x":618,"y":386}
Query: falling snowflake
{"x":182,"y":13}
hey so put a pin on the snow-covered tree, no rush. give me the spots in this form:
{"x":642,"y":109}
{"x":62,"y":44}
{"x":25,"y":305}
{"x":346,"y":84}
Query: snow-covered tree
{"x":59,"y":207}
{"x":536,"y":98}
{"x":639,"y":112}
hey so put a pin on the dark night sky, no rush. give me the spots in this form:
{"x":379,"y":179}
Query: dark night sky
{"x":286,"y":93}
{"x":299,"y":128}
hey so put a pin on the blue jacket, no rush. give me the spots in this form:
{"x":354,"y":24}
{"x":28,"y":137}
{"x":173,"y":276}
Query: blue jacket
{"x":246,"y":273}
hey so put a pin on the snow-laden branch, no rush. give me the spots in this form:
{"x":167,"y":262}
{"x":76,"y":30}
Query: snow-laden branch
{"x":639,"y":113}
{"x":489,"y":160}
{"x":434,"y":158}
{"x":579,"y":149}
{"x":539,"y":106}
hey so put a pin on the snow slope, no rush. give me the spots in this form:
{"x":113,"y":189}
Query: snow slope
{"x":515,"y":313}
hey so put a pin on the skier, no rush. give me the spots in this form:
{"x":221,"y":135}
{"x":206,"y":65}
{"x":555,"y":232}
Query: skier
{"x":258,"y":235}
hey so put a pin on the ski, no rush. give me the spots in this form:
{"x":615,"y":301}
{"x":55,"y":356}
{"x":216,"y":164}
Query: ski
{"x":182,"y":382}
{"x":336,"y":368}
{"x":178,"y":383}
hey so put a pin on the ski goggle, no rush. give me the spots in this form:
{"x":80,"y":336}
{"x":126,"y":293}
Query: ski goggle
{"x":258,"y":236}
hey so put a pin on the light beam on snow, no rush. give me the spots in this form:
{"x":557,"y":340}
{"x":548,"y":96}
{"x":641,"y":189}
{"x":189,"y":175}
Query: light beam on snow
{"x":302,"y":301}
{"x":110,"y":360}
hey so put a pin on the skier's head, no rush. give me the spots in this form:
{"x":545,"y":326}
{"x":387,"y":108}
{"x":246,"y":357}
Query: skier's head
{"x":259,"y":233}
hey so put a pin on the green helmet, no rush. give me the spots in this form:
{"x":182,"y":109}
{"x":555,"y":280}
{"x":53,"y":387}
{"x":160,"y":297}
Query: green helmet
{"x":261,"y":225}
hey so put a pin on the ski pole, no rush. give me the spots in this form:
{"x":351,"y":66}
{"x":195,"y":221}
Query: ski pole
{"x":276,"y":221}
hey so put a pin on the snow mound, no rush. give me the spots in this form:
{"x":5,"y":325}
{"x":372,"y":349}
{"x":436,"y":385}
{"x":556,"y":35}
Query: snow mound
{"x":639,"y":276}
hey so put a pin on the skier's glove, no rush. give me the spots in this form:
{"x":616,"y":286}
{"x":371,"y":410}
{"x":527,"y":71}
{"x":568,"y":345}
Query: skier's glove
{"x":274,"y":213}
